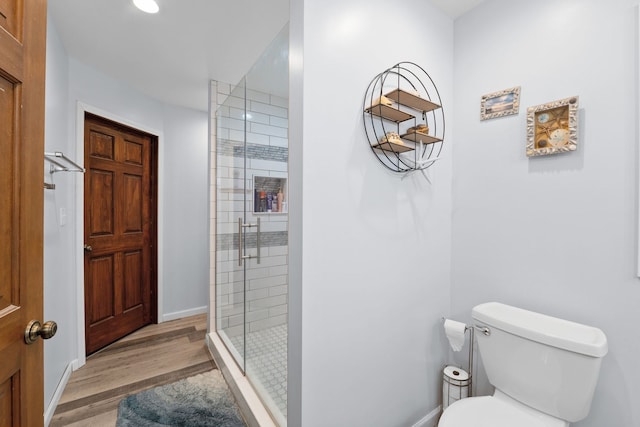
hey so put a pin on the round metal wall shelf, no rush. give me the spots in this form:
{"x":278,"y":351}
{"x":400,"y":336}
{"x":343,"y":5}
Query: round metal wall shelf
{"x":403,"y":118}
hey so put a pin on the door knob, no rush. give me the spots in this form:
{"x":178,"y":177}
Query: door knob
{"x":35,"y":329}
{"x":88,"y":248}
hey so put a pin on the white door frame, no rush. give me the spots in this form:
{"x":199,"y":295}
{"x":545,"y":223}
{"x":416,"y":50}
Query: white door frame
{"x":81,"y":109}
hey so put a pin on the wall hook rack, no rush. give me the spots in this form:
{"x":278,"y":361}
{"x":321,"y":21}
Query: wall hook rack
{"x":60,"y":163}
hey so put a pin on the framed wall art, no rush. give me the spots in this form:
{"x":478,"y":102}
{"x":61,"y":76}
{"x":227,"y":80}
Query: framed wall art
{"x":500,"y":104}
{"x":552,"y":128}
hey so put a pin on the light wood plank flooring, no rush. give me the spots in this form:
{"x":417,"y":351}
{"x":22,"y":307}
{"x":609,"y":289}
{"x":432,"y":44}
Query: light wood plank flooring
{"x":152,"y":356}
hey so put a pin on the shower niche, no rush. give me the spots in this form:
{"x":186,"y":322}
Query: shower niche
{"x":270,"y":195}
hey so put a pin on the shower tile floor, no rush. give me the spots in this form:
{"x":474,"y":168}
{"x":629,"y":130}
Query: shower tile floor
{"x":266,"y":356}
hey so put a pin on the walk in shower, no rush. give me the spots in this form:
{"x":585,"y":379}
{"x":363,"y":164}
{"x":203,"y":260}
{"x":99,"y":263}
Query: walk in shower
{"x":251,"y":223}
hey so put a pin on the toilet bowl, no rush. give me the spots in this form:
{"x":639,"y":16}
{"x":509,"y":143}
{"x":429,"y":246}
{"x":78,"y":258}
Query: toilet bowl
{"x":498,"y":410}
{"x":544,"y":370}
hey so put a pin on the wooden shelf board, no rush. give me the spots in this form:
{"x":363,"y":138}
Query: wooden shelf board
{"x":389,"y":113}
{"x":411,"y":100}
{"x":391,"y":146}
{"x":419,"y":136}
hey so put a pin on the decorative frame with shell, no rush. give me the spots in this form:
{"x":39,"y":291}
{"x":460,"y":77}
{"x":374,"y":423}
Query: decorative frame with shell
{"x":500,"y":104}
{"x":552,"y":128}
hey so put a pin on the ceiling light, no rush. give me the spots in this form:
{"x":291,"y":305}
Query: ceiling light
{"x":149,"y":6}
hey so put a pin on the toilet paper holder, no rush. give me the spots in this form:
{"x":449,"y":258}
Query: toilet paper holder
{"x":471,"y":328}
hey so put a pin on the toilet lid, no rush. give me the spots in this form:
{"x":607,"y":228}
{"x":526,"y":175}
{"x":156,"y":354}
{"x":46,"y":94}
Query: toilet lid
{"x":488,"y":411}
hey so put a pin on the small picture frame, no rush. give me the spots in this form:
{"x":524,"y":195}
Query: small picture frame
{"x":499,"y":104}
{"x":552,"y":128}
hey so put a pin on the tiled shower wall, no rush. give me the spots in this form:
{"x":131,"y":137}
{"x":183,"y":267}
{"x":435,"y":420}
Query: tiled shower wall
{"x":266,"y":156}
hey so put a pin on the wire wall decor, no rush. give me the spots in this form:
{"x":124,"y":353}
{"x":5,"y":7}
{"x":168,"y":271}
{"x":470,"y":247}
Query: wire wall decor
{"x":403,"y":118}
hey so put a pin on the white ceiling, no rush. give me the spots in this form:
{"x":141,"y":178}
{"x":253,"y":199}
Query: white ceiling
{"x":173,"y":54}
{"x":455,"y":8}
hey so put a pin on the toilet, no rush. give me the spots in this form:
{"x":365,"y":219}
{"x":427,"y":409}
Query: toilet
{"x":544,"y":370}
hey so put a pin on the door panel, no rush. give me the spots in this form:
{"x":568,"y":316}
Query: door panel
{"x":120,"y":230}
{"x":10,"y":18}
{"x":133,"y":152}
{"x":133,"y":208}
{"x":101,"y":213}
{"x":7,"y":113}
{"x":6,"y":397}
{"x":101,"y":297}
{"x":22,"y":66}
{"x":133,"y":274}
{"x":101,"y":145}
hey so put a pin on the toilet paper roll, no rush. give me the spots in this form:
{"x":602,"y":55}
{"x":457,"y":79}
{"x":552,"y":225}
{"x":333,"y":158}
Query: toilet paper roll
{"x":456,"y":375}
{"x":455,"y":333}
{"x":455,"y":385}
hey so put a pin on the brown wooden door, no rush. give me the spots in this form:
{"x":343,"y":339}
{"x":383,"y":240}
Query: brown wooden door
{"x":22,"y":64}
{"x":119,"y":230}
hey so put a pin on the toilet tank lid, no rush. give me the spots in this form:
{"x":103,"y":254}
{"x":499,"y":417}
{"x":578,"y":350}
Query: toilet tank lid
{"x":545,"y":329}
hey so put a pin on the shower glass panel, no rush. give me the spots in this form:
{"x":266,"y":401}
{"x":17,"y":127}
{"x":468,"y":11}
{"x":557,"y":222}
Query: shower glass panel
{"x":252,"y":225}
{"x":231,"y":206}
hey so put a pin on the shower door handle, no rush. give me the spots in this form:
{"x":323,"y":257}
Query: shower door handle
{"x":258,"y":241}
{"x":241,"y":227}
{"x":239,"y":242}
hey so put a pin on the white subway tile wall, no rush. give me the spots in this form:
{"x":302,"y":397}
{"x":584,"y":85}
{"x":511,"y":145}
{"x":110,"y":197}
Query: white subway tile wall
{"x":266,"y":156}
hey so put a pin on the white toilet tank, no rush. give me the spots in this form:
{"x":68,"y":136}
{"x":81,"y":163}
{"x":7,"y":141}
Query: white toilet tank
{"x":546,"y":363}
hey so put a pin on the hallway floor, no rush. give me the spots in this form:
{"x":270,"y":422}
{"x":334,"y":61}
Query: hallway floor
{"x":152,"y":356}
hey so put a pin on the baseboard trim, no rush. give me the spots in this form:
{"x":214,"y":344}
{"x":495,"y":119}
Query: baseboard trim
{"x":184,"y":313}
{"x":429,"y":420}
{"x":53,"y":404}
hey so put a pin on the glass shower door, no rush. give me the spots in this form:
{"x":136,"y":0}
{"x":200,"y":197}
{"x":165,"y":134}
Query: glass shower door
{"x":267,"y":85}
{"x":252,"y":225}
{"x":230,"y":211}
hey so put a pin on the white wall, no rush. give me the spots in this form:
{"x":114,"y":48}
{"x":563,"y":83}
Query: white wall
{"x":59,"y":261}
{"x":183,"y":190}
{"x":183,"y":195}
{"x":555,"y":234}
{"x":375,"y":249}
{"x":185,"y":205}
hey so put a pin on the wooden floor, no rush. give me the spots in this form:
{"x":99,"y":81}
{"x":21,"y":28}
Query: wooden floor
{"x":154,"y":355}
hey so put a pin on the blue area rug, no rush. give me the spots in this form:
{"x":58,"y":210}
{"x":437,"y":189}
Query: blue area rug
{"x":198,"y":401}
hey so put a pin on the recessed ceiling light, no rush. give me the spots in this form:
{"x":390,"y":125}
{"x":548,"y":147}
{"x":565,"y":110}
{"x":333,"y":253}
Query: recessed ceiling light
{"x":149,"y":6}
